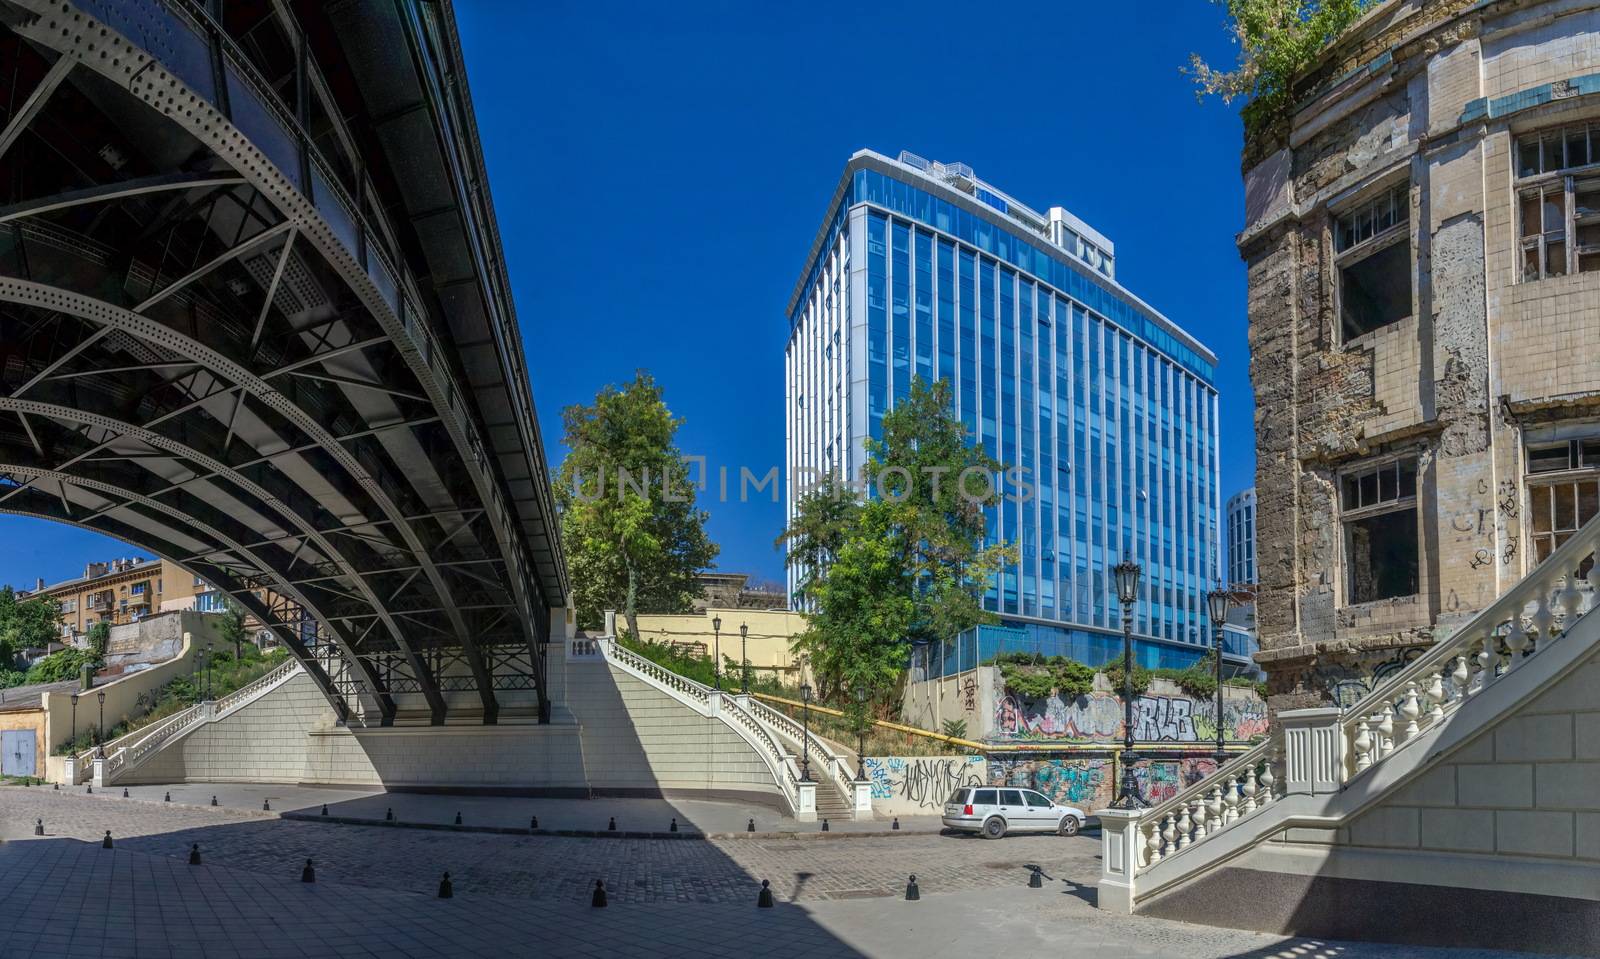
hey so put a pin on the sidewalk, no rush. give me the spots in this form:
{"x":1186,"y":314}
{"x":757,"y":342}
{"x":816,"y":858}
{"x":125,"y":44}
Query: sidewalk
{"x":694,"y":816}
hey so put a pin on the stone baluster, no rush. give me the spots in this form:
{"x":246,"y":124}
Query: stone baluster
{"x":1198,"y":813}
{"x":1483,"y":663}
{"x":1363,"y":744}
{"x":1214,"y":809}
{"x":1152,"y":844}
{"x":1230,"y":799}
{"x":1571,"y":599}
{"x":1267,"y":779}
{"x":1461,"y":673}
{"x":1435,"y":697}
{"x":1410,"y":709}
{"x":1593,"y":579}
{"x":1185,"y":826}
{"x":1517,"y":638}
{"x":1169,"y":835}
{"x":1386,"y":730}
{"x":1250,"y":789}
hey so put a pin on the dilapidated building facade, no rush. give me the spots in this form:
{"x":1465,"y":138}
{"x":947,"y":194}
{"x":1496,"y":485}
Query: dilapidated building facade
{"x":1423,"y":251}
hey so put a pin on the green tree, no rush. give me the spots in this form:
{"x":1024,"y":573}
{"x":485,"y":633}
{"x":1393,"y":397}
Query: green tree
{"x":26,"y":624}
{"x":633,"y":536}
{"x":909,"y":562}
{"x":1277,"y":39}
{"x":231,"y":628}
{"x":100,"y":640}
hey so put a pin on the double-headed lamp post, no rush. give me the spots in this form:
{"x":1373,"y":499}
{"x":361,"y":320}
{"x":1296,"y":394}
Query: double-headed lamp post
{"x":805,"y":732}
{"x":744,"y":659}
{"x":1127,"y":574}
{"x":716,"y":656}
{"x":1218,"y":600}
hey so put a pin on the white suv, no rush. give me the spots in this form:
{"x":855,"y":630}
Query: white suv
{"x":995,"y":811}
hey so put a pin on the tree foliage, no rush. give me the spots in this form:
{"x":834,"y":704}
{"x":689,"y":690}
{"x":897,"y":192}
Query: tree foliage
{"x":632,"y":534}
{"x":231,"y":627}
{"x":1039,"y":676}
{"x":1277,"y":39}
{"x":905,"y":564}
{"x":26,"y":624}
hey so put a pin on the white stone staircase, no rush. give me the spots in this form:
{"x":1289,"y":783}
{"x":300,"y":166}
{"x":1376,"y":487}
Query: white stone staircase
{"x":830,"y":790}
{"x":120,"y":756}
{"x":1321,"y":768}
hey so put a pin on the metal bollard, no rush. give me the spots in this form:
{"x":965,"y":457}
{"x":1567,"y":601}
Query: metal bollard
{"x":106,"y":842}
{"x":324,"y":809}
{"x":388,"y":814}
{"x":445,"y":892}
{"x":1035,"y":881}
{"x":598,"y":900}
{"x":458,"y":818}
{"x":266,"y":805}
{"x":213,"y":800}
{"x":38,"y":827}
{"x":124,"y":792}
{"x":194,"y":855}
{"x":168,"y":798}
{"x":674,"y":826}
{"x":89,"y":789}
{"x":912,"y":894}
{"x":824,"y":825}
{"x":612,"y":825}
{"x":751,"y":826}
{"x":533,"y":823}
{"x":896,"y":823}
{"x":764,"y":901}
{"x":308,"y":874}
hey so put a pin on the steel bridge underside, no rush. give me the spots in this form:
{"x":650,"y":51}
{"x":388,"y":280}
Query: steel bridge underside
{"x":202,"y":356}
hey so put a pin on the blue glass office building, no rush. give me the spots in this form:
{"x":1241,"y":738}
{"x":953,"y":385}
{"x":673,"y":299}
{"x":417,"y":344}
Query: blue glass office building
{"x":922,"y":270}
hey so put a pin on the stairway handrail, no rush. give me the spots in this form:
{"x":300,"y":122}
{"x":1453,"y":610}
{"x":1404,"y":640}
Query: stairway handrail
{"x":1417,"y":696}
{"x":837,"y":767}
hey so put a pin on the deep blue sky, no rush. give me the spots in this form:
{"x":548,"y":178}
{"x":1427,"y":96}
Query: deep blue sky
{"x":659,"y":172}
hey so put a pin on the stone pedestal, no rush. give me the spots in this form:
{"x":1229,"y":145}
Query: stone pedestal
{"x":1314,"y":751}
{"x":808,"y":802}
{"x":1119,"y":855}
{"x":863,"y":799}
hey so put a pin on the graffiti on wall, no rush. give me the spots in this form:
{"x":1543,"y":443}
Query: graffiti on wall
{"x":1348,"y":684}
{"x":921,"y":781}
{"x":1097,"y":717}
{"x":1088,"y":783}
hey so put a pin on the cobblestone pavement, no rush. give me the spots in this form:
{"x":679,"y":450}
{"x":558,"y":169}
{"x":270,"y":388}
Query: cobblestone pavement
{"x":555,"y":868}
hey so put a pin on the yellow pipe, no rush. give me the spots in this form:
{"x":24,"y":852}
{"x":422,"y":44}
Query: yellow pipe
{"x":1001,"y":748}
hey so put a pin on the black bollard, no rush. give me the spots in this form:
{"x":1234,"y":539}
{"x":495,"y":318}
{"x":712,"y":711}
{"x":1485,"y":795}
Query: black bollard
{"x":674,"y":827}
{"x":598,"y":900}
{"x":750,"y":826}
{"x":194,"y":855}
{"x":912,"y":895}
{"x":533,"y":823}
{"x":308,"y":874}
{"x":124,"y":792}
{"x":445,"y":892}
{"x":824,"y":825}
{"x":213,"y":800}
{"x":88,"y":790}
{"x":896,"y":823}
{"x":1035,"y":881}
{"x":458,"y":818}
{"x":168,"y":798}
{"x":38,"y":827}
{"x":388,"y":815}
{"x":612,"y":825}
{"x":106,"y":842}
{"x":58,"y":788}
{"x":764,"y":901}
{"x":324,"y":809}
{"x":266,"y":805}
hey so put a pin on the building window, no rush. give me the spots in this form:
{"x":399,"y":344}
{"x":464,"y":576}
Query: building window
{"x":1559,"y":210}
{"x":1373,"y":258}
{"x":1378,"y":506}
{"x":1563,"y":491}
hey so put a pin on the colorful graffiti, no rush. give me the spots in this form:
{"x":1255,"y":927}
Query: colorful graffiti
{"x":1088,"y":783}
{"x":920,"y":783}
{"x":1097,"y":717}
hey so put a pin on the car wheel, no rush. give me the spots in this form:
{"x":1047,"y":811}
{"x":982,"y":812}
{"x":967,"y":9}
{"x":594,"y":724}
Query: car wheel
{"x":994,"y":827}
{"x":1069,"y":826}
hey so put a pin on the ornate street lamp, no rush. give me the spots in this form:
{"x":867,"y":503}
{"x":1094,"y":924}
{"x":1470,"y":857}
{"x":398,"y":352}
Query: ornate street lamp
{"x":805,"y":732}
{"x":716,"y":660}
{"x":1127,"y":573}
{"x":744,"y":659}
{"x":861,"y":733}
{"x":74,"y":717}
{"x":1218,"y":600}
{"x":100,"y":743}
{"x":209,"y":656}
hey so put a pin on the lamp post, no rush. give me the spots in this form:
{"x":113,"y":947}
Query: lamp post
{"x":805,"y":732}
{"x":74,"y":717}
{"x":100,"y":743}
{"x":861,"y":733}
{"x":744,"y":659}
{"x":1127,"y":573}
{"x":209,"y":656}
{"x":1217,"y":600}
{"x":716,"y":661}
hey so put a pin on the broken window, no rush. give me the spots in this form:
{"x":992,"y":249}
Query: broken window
{"x":1374,"y":262}
{"x":1379,"y":509}
{"x":1558,"y":211}
{"x":1559,"y":505}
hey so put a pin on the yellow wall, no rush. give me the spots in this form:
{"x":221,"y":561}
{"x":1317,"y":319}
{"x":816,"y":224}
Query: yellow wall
{"x":29,"y":719}
{"x":771,"y":631}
